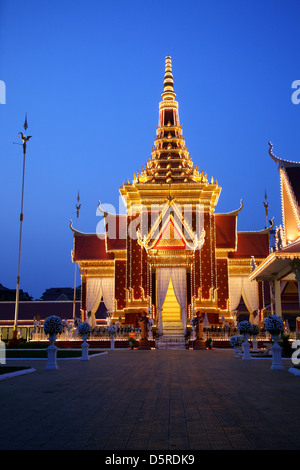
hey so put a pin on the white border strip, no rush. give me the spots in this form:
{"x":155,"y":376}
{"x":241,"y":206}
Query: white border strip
{"x":15,"y":374}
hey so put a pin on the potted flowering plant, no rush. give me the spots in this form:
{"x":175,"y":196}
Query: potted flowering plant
{"x":245,"y":328}
{"x":37,"y":326}
{"x":76,"y":322}
{"x":274,"y":325}
{"x":52,"y":326}
{"x":84,"y":329}
{"x":112,"y":330}
{"x":236,"y":342}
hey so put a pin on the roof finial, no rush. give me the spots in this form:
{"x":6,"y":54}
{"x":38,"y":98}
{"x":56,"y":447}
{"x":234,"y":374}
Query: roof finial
{"x":25,"y":123}
{"x":168,"y":81}
{"x":266,"y":205}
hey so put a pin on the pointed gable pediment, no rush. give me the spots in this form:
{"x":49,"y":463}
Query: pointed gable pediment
{"x":170,"y":230}
{"x":170,"y":237}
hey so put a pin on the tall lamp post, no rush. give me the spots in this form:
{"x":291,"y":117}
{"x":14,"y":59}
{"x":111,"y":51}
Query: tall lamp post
{"x":77,"y":215}
{"x":24,"y":140}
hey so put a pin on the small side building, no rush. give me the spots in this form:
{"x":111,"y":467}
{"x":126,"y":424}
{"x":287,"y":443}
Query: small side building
{"x":281,"y":268}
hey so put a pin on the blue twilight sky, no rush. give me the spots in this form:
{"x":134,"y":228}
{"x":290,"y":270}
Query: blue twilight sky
{"x":89,"y":74}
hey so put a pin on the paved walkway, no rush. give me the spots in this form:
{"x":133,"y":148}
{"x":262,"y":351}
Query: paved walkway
{"x":152,"y":400}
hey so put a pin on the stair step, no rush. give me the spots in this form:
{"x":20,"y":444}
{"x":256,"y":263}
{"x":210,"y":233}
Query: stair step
{"x":167,"y":343}
{"x":173,"y":336}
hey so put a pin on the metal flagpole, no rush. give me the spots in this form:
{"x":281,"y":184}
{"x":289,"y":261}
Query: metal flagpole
{"x":24,"y":140}
{"x":74,"y":300}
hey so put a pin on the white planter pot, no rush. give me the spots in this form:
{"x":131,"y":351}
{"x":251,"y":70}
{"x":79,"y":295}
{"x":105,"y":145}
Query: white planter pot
{"x":276,"y":353}
{"x":236,"y":350}
{"x":246,"y":349}
{"x":84,"y":349}
{"x":51,"y":354}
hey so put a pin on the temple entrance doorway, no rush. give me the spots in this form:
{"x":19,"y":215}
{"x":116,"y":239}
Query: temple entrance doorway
{"x":171,"y":295}
{"x":171,"y":298}
{"x":171,"y":311}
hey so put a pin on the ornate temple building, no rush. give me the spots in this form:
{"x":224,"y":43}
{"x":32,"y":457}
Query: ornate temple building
{"x":172,"y":254}
{"x":281,"y":268}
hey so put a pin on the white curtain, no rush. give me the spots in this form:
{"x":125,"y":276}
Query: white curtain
{"x":108,"y":292}
{"x":241,"y":286}
{"x":96,"y":287}
{"x":235,"y":292}
{"x":163,"y":276}
{"x":178,"y":276}
{"x":250,"y":296}
{"x":93,"y":297}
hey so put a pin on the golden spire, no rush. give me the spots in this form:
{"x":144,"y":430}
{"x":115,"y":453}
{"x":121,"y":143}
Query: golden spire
{"x":168,"y":93}
{"x":170,"y":161}
{"x":171,"y":117}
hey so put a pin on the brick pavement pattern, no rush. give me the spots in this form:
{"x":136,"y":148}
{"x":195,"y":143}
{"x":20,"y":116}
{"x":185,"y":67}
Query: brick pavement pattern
{"x":152,"y":400}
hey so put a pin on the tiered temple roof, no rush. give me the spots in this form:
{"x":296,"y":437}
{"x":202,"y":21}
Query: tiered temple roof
{"x":170,"y":169}
{"x":164,"y":204}
{"x":170,"y":161}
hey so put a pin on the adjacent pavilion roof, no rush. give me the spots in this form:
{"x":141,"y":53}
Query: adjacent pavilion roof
{"x":290,"y":196}
{"x":280,"y":262}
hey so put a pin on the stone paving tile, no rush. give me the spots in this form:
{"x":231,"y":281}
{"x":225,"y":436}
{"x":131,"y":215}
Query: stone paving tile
{"x":152,"y":400}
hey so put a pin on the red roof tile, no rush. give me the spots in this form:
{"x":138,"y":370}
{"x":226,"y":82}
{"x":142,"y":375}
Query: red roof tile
{"x":225,"y":231}
{"x":116,"y":231}
{"x":90,"y":247}
{"x":251,"y":244}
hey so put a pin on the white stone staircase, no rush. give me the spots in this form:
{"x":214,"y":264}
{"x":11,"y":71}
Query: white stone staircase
{"x":173,"y":336}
